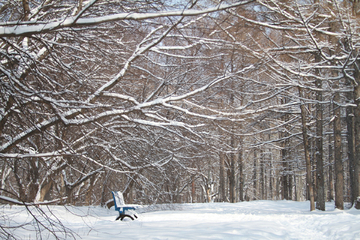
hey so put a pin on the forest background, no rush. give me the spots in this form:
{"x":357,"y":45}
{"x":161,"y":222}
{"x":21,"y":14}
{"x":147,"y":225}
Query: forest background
{"x":179,"y":101}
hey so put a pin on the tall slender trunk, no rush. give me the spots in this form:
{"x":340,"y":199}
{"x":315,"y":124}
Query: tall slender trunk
{"x":285,"y":156}
{"x":335,"y":26}
{"x":290,"y":181}
{"x":284,"y":176}
{"x":357,"y":142}
{"x":241,"y":173}
{"x":232,"y":182}
{"x":320,"y":183}
{"x":310,"y":188}
{"x":351,"y":140}
{"x":356,"y":13}
{"x":232,"y":172}
{"x":222,"y":177}
{"x":331,"y":183}
{"x":193,"y":190}
{"x":89,"y":191}
{"x":104,"y":188}
{"x":271,"y":177}
{"x":262,"y":177}
{"x":339,"y":170}
{"x":255,"y":178}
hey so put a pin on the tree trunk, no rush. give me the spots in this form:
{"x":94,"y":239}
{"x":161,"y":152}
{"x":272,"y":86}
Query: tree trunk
{"x":331,"y":183}
{"x":222,"y":196}
{"x":193,"y":190}
{"x":320,"y":183}
{"x":271,"y":177}
{"x":285,"y":156}
{"x":255,"y":178}
{"x":310,"y":189}
{"x":262,"y":177}
{"x":284,"y":175}
{"x":357,"y":142}
{"x":232,"y":181}
{"x":45,"y":191}
{"x":26,"y":9}
{"x":351,"y":143}
{"x":290,"y":185}
{"x":241,"y":174}
{"x":335,"y":26}
{"x":89,"y":191}
{"x":339,"y":171}
{"x":104,"y":188}
{"x":278,"y":195}
{"x":356,"y":12}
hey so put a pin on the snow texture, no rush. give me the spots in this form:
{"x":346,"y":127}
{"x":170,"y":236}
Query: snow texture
{"x":245,"y":220}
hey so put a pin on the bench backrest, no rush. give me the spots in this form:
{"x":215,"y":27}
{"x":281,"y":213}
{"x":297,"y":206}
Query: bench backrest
{"x":118,"y":199}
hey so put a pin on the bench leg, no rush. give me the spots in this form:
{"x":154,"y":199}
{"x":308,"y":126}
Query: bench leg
{"x":125,"y":215}
{"x":122,"y":216}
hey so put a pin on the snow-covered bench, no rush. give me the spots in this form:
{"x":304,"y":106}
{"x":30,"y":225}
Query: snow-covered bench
{"x":121,"y":207}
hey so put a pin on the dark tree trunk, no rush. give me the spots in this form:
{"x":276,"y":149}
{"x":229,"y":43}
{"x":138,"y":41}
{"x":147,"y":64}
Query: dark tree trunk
{"x":309,"y":183}
{"x":193,"y":190}
{"x":262,"y":177}
{"x":320,"y":183}
{"x":255,"y":180}
{"x":271,"y":177}
{"x":222,"y":178}
{"x":339,"y":171}
{"x":26,"y":9}
{"x":331,"y":182}
{"x":356,"y":188}
{"x":351,"y":143}
{"x":357,"y":142}
{"x":284,"y":158}
{"x":284,"y":175}
{"x":232,"y":181}
{"x":241,"y":174}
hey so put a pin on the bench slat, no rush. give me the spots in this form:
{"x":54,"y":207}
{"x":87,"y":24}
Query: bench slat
{"x":118,"y":199}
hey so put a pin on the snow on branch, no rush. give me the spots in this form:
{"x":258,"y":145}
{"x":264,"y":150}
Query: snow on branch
{"x":17,"y":202}
{"x":297,"y":23}
{"x":37,"y":155}
{"x":28,"y":28}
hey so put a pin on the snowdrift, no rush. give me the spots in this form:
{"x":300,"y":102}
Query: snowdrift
{"x":245,"y":220}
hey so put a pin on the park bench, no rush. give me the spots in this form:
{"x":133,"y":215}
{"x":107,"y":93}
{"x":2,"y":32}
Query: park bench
{"x":121,"y":207}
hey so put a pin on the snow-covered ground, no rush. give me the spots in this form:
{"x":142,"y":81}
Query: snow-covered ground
{"x":245,"y":220}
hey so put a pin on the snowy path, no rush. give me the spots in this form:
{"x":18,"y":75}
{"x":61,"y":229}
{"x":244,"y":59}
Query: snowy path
{"x":247,"y":220}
